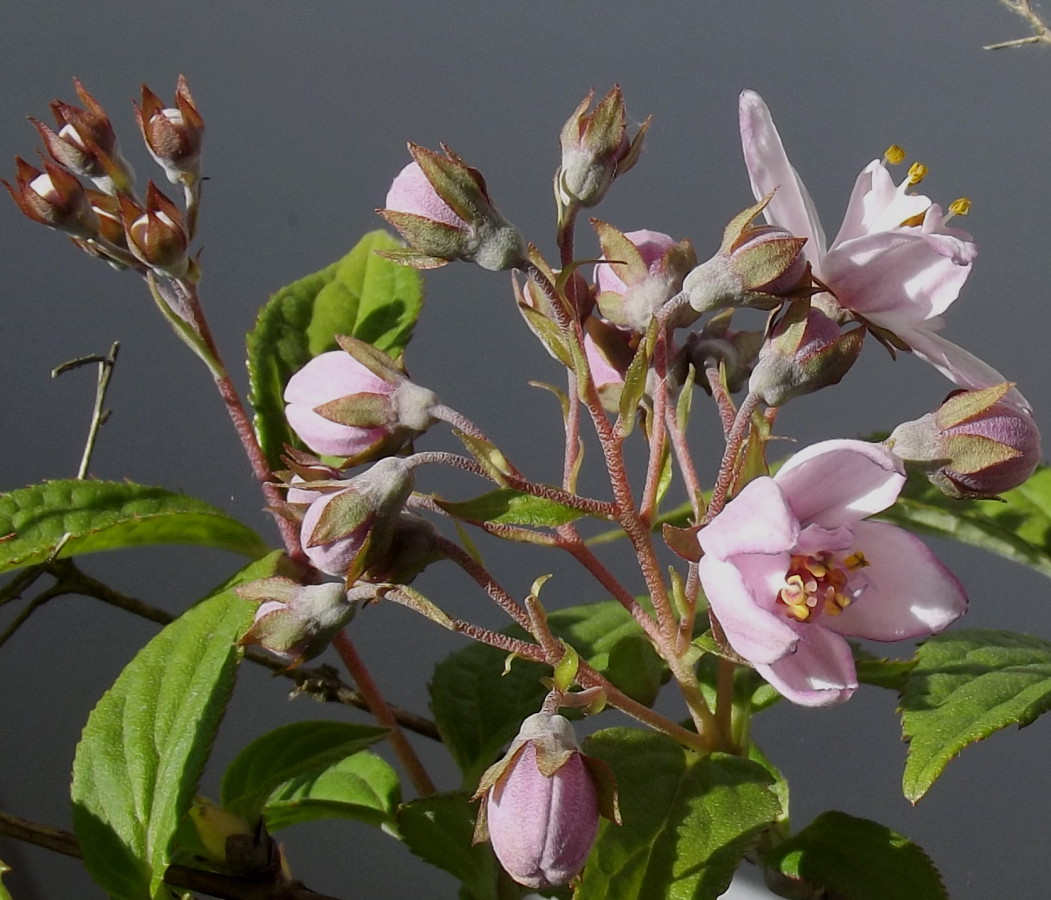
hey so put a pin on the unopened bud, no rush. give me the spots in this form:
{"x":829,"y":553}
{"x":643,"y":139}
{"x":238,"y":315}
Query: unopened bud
{"x":645,"y":271}
{"x":54,"y":198}
{"x":756,"y":266}
{"x":734,"y":352}
{"x":173,"y":134}
{"x":596,"y":149}
{"x":805,"y":352}
{"x":155,"y":233}
{"x":348,"y":523}
{"x":296,"y":622}
{"x":86,"y":143}
{"x":441,"y":206}
{"x":356,"y":402}
{"x":609,"y":354}
{"x":540,"y":806}
{"x":976,"y":444}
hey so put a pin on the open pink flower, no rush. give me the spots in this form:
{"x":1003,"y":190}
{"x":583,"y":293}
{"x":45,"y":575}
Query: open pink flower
{"x":791,"y":570}
{"x":894,"y":261}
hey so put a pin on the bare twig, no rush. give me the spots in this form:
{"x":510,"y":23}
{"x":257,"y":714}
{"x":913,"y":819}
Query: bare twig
{"x":321,"y":682}
{"x":98,"y":414}
{"x":1041,"y":31}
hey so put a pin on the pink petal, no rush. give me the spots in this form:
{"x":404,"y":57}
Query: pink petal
{"x":896,"y":279}
{"x":411,"y":192}
{"x":908,"y":592}
{"x":738,"y":593}
{"x":877,"y":204}
{"x":758,"y":520}
{"x":651,"y":246}
{"x":960,"y":367}
{"x":820,"y":673}
{"x":840,"y":482}
{"x":329,"y":376}
{"x":770,"y":170}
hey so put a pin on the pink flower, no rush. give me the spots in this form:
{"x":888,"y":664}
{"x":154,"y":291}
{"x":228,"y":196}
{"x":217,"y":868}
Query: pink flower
{"x":411,"y":192}
{"x":894,"y":262}
{"x":541,"y":804}
{"x":791,"y":569}
{"x":355,"y":401}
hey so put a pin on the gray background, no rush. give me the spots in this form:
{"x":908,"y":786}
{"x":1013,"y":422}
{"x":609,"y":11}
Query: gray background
{"x":308,"y":106}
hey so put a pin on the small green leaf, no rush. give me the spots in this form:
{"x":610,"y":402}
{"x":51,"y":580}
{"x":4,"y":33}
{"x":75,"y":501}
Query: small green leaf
{"x":362,"y":787}
{"x":364,"y":295}
{"x":145,"y":744}
{"x":841,"y":856}
{"x":4,"y":869}
{"x":881,"y":672}
{"x":1019,"y":528}
{"x":439,"y":829}
{"x":966,"y":685}
{"x":479,"y":709}
{"x":687,"y":821}
{"x":287,"y":753}
{"x":636,"y":668}
{"x":509,"y":507}
{"x":103,"y":515}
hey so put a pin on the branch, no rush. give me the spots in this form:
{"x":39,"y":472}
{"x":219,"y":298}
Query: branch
{"x":1041,"y":31}
{"x":211,"y":883}
{"x":322,"y":682}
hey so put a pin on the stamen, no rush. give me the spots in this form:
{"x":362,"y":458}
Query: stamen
{"x":959,"y":207}
{"x":816,"y":584}
{"x":894,"y":154}
{"x":917,"y":172}
{"x":856,"y":560}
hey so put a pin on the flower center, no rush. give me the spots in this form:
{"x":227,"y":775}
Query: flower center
{"x":815,"y":584}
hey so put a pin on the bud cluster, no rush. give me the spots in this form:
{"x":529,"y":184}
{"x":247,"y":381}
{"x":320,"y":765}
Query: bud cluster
{"x":108,"y":221}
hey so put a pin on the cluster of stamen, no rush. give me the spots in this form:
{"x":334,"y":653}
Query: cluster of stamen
{"x":817,"y":584}
{"x":894,"y":155}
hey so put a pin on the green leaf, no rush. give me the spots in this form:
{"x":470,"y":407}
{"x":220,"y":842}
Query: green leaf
{"x":103,"y":515}
{"x":881,"y":672}
{"x":362,"y":787}
{"x":510,"y":507}
{"x":145,"y":744}
{"x":439,"y":829}
{"x":855,"y":858}
{"x":1019,"y":528}
{"x":478,"y":708}
{"x":4,"y":869}
{"x":287,"y":753}
{"x":966,"y":685}
{"x":687,"y":821}
{"x":363,"y":295}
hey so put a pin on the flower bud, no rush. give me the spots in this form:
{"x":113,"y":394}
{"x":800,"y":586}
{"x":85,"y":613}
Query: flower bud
{"x":976,"y":444}
{"x":735,"y":352}
{"x":608,"y":354}
{"x":541,"y":804}
{"x":348,"y":523}
{"x":646,"y":270}
{"x":296,"y":622}
{"x":414,"y":545}
{"x":596,"y":149}
{"x":173,"y":134}
{"x":756,"y":266}
{"x":805,"y":352}
{"x":356,"y":402}
{"x":441,"y":206}
{"x":54,"y":198}
{"x":86,"y":143}
{"x":155,"y":233}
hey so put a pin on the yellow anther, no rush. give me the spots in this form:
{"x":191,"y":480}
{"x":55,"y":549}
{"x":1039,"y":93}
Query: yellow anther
{"x":894,"y":154}
{"x":960,"y":207}
{"x":856,"y":560}
{"x":917,"y":172}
